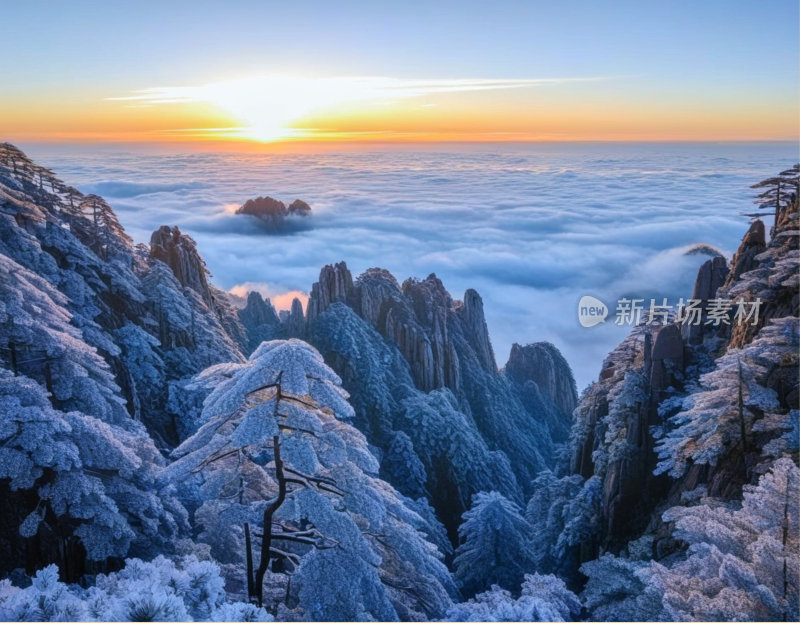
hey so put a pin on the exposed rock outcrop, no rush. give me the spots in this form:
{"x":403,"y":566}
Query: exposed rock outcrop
{"x":766,"y":273}
{"x":641,"y":367}
{"x":710,"y":277}
{"x":179,"y":252}
{"x":335,"y":285}
{"x":376,"y":292}
{"x":258,"y":312}
{"x":415,"y":316}
{"x":744,"y":260}
{"x":477,"y":333}
{"x":264,"y":207}
{"x":295,"y":321}
{"x":432,"y":353}
{"x":273,"y":212}
{"x":299,"y":207}
{"x":544,"y":364}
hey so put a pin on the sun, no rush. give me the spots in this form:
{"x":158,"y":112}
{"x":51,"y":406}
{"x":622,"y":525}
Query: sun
{"x":272,"y":108}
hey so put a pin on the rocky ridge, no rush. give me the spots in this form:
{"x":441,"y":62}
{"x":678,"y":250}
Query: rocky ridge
{"x":620,"y":418}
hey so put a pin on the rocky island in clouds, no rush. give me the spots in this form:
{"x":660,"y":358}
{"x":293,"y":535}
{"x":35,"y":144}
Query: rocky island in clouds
{"x":274,"y":215}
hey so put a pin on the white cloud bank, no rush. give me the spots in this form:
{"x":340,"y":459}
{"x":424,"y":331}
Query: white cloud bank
{"x":532,"y":228}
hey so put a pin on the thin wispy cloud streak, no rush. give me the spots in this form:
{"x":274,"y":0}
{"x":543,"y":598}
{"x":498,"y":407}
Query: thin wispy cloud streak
{"x":531,"y":227}
{"x":269,"y":106}
{"x":353,"y":89}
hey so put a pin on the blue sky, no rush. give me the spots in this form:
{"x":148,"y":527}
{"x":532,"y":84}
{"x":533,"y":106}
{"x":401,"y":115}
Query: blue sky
{"x":120,"y":41}
{"x":702,"y":54}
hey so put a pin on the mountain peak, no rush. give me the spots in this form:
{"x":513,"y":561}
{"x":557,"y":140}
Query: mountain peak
{"x":179,"y":252}
{"x":543,"y":363}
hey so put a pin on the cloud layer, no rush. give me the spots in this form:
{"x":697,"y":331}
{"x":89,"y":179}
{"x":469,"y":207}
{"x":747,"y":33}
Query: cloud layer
{"x":532,"y":228}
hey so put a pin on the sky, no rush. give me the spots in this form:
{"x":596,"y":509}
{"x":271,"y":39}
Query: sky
{"x":314,"y":72}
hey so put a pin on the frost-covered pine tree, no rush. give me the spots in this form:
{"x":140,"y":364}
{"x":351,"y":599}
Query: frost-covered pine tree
{"x":92,"y":483}
{"x":625,"y":402}
{"x":275,"y":452}
{"x":103,"y":232}
{"x":622,"y":589}
{"x":740,"y":562}
{"x":583,"y":517}
{"x":404,"y":467}
{"x":40,"y":341}
{"x":719,"y":417}
{"x":67,"y":446}
{"x":566,"y":516}
{"x":495,"y":545}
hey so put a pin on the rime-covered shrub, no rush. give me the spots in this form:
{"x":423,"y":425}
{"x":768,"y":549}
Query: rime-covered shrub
{"x":160,"y":590}
{"x":543,"y":598}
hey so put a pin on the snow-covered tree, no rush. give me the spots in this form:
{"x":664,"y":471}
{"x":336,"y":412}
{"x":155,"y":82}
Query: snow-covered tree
{"x":740,"y":562}
{"x":621,"y":589}
{"x":140,"y":352}
{"x":452,"y":449}
{"x":625,"y":403}
{"x":778,"y":192}
{"x":543,"y":598}
{"x":582,"y":517}
{"x":784,"y":430}
{"x":495,"y":545}
{"x":404,"y":466}
{"x":39,"y":341}
{"x":104,"y":233}
{"x":92,"y":482}
{"x":275,"y":451}
{"x":555,"y":530}
{"x":719,"y":417}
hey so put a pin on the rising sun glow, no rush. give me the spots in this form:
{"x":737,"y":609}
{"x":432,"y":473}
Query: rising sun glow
{"x":269,"y":109}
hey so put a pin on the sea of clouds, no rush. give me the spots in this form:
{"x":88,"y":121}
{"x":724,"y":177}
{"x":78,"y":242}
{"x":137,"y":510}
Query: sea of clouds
{"x":531,"y":227}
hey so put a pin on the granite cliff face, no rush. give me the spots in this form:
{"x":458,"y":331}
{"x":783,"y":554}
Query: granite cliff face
{"x":335,"y":285}
{"x":258,"y":312}
{"x":179,"y":252}
{"x":418,"y":317}
{"x":543,"y":364}
{"x":624,"y":428}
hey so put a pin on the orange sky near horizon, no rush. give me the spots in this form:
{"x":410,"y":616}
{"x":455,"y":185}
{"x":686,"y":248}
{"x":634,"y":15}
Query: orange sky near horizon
{"x":585,"y":110}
